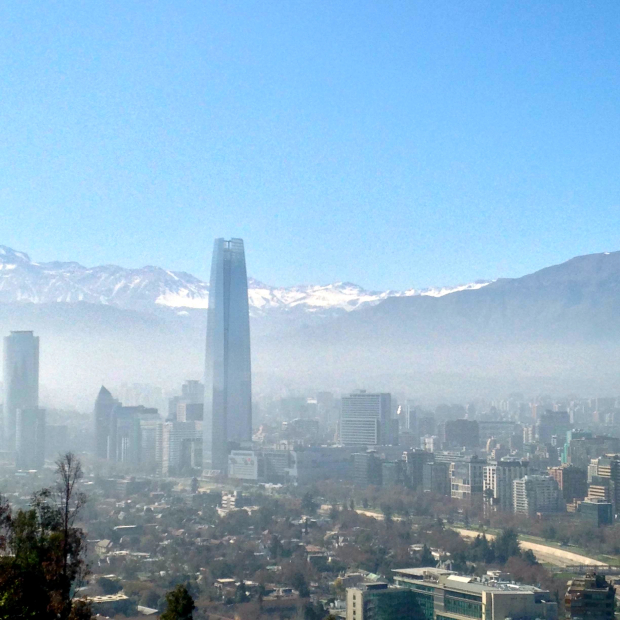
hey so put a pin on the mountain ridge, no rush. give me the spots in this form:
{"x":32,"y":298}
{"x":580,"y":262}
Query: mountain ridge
{"x":145,"y":288}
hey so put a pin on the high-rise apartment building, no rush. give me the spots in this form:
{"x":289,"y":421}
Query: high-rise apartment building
{"x":365,"y":419}
{"x":590,"y":596}
{"x":536,"y":493}
{"x":21,"y":380}
{"x":498,"y":479}
{"x":228,"y":382}
{"x":573,"y":481}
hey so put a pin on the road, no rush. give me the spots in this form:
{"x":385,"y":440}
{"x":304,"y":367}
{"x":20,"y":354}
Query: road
{"x":543,"y":553}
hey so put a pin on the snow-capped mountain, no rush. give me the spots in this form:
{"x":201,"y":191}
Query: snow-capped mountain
{"x":21,"y":279}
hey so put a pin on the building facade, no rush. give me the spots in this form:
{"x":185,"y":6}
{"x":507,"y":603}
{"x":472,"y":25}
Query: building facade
{"x":365,"y":419}
{"x":21,"y":381}
{"x":228,"y":377}
{"x":535,"y":493}
{"x":437,"y":594}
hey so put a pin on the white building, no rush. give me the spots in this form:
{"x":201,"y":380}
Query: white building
{"x":365,"y":419}
{"x":536,"y":493}
{"x":498,"y":479}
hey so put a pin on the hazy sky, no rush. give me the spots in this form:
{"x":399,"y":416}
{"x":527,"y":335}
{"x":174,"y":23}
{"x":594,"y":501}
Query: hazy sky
{"x":392,"y":144}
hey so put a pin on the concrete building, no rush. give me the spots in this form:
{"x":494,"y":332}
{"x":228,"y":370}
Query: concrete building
{"x":30,"y":439}
{"x":572,"y":481}
{"x":377,"y":601}
{"x":125,"y":444}
{"x":228,"y":380}
{"x":436,"y":478}
{"x":21,"y":381}
{"x":365,"y":419}
{"x":466,"y":478}
{"x":461,"y":433}
{"x":553,"y":424}
{"x":591,"y":596}
{"x":498,"y":482}
{"x":607,"y":469}
{"x":366,"y":469}
{"x":536,"y":493}
{"x":597,"y":512}
{"x":415,"y":461}
{"x":437,"y":594}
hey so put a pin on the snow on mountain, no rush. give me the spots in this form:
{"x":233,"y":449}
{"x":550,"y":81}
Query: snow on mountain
{"x":21,"y":279}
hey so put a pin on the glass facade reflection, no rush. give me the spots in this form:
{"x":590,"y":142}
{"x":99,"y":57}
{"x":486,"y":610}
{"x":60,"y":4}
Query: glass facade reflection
{"x":228,"y":384}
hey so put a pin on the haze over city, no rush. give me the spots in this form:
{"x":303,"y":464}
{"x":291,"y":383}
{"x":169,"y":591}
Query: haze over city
{"x":309,"y":310}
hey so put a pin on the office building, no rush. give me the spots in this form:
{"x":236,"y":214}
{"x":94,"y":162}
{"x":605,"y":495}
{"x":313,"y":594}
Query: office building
{"x":30,"y":439}
{"x":228,"y":381}
{"x":21,"y":380}
{"x":365,"y":419}
{"x":498,"y":482}
{"x":466,"y":478}
{"x":581,"y":447}
{"x":125,"y":441}
{"x":461,"y":433}
{"x":436,"y":478}
{"x":104,"y":405}
{"x":437,"y":594}
{"x":377,"y":601}
{"x":367,"y":469}
{"x":608,"y":474}
{"x":590,"y":596}
{"x":573,"y":481}
{"x":553,"y":424}
{"x":415,"y":460}
{"x":392,"y":473}
{"x":534,"y":494}
{"x":596,"y":512}
{"x":182,"y":448}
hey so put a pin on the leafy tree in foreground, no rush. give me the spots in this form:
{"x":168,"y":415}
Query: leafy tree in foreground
{"x":180,"y":605}
{"x":42,"y":552}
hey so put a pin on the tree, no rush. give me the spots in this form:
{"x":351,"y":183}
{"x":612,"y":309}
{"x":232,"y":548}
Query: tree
{"x":180,"y":604}
{"x":507,"y":545}
{"x":298,"y":582}
{"x":308,"y":505}
{"x":42,"y":552}
{"x":427,"y":558}
{"x":240,"y":593}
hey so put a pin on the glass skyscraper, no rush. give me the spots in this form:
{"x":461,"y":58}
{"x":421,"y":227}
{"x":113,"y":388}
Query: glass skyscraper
{"x":228,"y":382}
{"x":21,"y":380}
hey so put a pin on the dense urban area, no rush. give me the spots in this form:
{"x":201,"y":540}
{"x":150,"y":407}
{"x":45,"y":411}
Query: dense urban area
{"x":214,"y":502}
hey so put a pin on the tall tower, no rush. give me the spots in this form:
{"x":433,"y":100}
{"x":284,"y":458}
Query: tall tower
{"x":21,"y":380}
{"x":104,"y":405}
{"x":228,"y":382}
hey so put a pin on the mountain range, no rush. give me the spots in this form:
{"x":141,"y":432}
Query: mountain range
{"x":554,"y":331}
{"x":21,"y":279}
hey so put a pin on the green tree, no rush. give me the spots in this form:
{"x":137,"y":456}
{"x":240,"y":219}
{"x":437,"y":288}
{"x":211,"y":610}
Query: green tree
{"x":308,"y":505}
{"x":298,"y":582}
{"x":507,"y":545}
{"x":426,"y":557}
{"x":41,"y":552}
{"x":180,"y":604}
{"x":240,"y":594}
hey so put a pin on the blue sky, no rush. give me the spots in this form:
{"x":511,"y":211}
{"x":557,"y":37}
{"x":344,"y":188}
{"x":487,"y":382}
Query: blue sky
{"x":391,"y":144}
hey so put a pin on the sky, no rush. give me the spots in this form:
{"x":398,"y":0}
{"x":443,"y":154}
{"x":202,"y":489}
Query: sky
{"x":391,"y":144}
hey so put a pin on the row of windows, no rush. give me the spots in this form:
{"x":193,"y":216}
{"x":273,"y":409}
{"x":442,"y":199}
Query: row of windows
{"x":462,"y":607}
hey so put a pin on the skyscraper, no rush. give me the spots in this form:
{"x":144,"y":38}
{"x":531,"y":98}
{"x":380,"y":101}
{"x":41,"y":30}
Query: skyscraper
{"x":104,"y":405}
{"x":21,"y":380}
{"x":228,"y":382}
